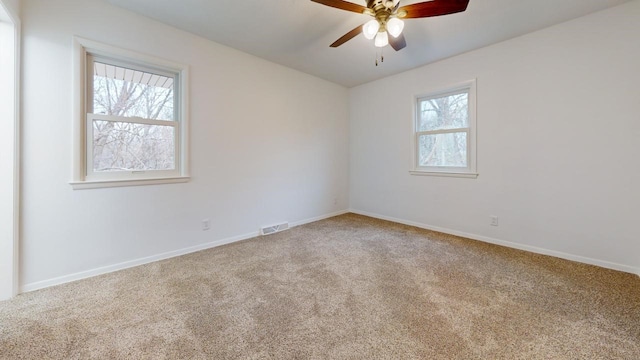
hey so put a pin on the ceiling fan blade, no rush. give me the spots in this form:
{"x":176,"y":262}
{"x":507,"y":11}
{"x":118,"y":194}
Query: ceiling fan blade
{"x":397,"y":43}
{"x":433,"y":8}
{"x":348,"y":36}
{"x":344,"y":5}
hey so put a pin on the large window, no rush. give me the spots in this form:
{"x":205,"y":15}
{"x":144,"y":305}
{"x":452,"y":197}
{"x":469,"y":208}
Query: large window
{"x":134,"y":121}
{"x":444,"y":132}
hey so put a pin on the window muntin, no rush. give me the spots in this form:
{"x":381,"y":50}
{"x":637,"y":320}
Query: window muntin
{"x":132,"y":122}
{"x":444,"y":132}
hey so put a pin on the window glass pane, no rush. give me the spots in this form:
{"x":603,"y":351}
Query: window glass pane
{"x":122,"y":146}
{"x":447,"y":112}
{"x":448,"y":150}
{"x":131,"y":93}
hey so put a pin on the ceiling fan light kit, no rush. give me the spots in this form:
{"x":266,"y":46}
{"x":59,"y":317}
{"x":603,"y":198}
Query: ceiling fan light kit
{"x":382,"y":39}
{"x":386,"y":18}
{"x":395,"y":27}
{"x":370,"y":29}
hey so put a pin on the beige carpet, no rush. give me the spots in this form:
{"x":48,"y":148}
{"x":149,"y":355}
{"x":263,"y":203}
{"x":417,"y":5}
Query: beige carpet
{"x":349,"y":287}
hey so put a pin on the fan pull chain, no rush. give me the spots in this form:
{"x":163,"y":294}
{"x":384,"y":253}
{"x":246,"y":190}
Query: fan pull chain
{"x":381,"y":57}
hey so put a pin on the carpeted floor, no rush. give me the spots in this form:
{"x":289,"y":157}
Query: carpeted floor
{"x":349,"y":287}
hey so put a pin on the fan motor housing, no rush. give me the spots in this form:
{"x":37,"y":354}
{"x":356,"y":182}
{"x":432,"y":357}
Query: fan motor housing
{"x":381,"y":12}
{"x":376,"y":5}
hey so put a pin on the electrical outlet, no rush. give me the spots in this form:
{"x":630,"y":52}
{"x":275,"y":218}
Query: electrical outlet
{"x":206,"y":224}
{"x":494,"y":220}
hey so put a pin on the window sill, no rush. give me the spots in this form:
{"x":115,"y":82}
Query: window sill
{"x":444,"y":174}
{"x":82,"y":185}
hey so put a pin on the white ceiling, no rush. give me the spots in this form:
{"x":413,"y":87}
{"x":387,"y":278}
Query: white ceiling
{"x":297,"y":33}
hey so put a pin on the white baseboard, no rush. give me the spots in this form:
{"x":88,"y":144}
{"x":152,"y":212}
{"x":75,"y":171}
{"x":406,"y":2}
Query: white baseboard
{"x":318,"y":218}
{"x":137,"y":262}
{"x":529,"y":248}
{"x":132,"y":263}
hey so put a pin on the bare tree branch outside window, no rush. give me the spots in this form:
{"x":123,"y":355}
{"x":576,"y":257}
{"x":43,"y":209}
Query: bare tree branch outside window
{"x":442,"y":145}
{"x":127,"y":145}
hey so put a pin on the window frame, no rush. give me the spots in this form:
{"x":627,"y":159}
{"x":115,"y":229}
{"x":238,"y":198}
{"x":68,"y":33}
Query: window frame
{"x":83,"y":176}
{"x":470,"y":171}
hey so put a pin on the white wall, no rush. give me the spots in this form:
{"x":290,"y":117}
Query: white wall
{"x":558,"y":135}
{"x":9,"y":125}
{"x":558,"y":143}
{"x":268,"y":144}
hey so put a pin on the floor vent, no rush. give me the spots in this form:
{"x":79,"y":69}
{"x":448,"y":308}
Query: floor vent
{"x":267,"y":230}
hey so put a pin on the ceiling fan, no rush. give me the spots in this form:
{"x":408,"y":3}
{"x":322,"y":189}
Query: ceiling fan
{"x":387,"y":15}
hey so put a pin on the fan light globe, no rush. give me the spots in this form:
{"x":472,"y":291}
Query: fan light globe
{"x":395,"y":26}
{"x":382,"y":39}
{"x":370,"y":29}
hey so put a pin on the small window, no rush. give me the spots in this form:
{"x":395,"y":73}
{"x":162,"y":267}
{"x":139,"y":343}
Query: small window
{"x":444,"y":139}
{"x":132,"y":126}
{"x":134,"y":122}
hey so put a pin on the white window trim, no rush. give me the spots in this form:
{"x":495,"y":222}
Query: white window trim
{"x":81,"y":47}
{"x":10,"y":244}
{"x":471,"y":170}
